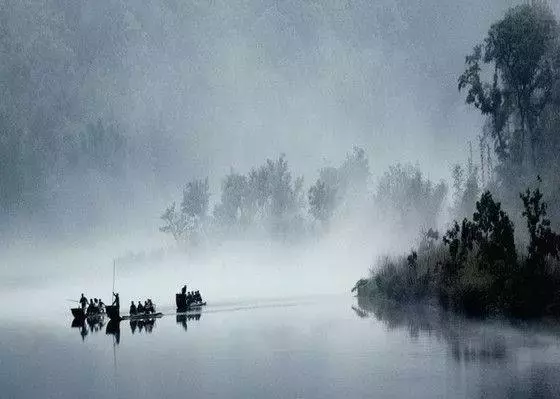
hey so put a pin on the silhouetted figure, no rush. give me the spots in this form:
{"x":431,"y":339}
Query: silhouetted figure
{"x":149,"y":306}
{"x":101,"y":306}
{"x":189,"y":298}
{"x":183,"y":290}
{"x":91,"y":308}
{"x":116,"y":301}
{"x":140,"y":307}
{"x":83,"y":301}
{"x":133,"y":309}
{"x":197,"y":297}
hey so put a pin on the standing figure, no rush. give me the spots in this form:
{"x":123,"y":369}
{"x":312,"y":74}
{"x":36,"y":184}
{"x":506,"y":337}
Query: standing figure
{"x":116,"y":301}
{"x":133,"y":309}
{"x":83,"y":301}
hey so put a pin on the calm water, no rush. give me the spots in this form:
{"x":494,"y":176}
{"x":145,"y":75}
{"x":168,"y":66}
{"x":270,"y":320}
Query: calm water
{"x":310,"y":348}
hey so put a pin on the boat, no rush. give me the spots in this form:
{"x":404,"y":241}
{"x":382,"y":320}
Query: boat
{"x":142,"y":316}
{"x":183,"y":306}
{"x":113,"y":312}
{"x":80,"y":314}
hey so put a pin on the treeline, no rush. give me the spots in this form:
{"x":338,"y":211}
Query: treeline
{"x":476,"y":267}
{"x":483,"y":265}
{"x":269,"y":199}
{"x":513,"y":79}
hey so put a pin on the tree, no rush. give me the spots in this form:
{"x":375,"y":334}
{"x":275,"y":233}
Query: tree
{"x":543,"y":241}
{"x":175,"y":223}
{"x":196,"y":198}
{"x":187,"y":224}
{"x":322,"y":199}
{"x":517,"y":51}
{"x":404,"y":196}
{"x":233,"y":207}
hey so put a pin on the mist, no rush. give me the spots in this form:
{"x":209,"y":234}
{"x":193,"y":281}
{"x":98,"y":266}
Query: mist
{"x":195,"y":90}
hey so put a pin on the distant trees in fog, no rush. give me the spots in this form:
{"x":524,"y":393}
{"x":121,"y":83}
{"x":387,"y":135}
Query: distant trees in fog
{"x":408,"y":199}
{"x":187,"y":224}
{"x":269,"y":200}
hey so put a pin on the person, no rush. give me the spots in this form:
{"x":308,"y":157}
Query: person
{"x":83,"y":301}
{"x":116,"y":301}
{"x":101,"y":306}
{"x":189,"y":298}
{"x":140,"y":307}
{"x":183,"y":290}
{"x":91,"y":307}
{"x":148,"y":307}
{"x":133,"y":310}
{"x":152,"y":307}
{"x":198,"y":298}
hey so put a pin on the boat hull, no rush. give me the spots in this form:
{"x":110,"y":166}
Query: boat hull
{"x":143,"y":316}
{"x":78,"y":313}
{"x":113,"y":312}
{"x":183,"y":306}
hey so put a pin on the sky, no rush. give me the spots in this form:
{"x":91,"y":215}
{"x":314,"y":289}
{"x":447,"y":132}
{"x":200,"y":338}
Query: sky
{"x":200,"y":87}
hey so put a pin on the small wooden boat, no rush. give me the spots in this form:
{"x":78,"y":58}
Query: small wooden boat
{"x":142,"y":316}
{"x":183,"y":306}
{"x":113,"y":312}
{"x":80,"y":314}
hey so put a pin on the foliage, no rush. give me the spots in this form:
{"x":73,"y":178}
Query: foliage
{"x":322,"y":201}
{"x":407,"y":198}
{"x":517,"y":50}
{"x":187,"y":225}
{"x":476,"y":269}
{"x":543,"y":241}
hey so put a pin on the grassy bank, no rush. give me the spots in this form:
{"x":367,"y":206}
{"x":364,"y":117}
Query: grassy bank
{"x":476,"y":266}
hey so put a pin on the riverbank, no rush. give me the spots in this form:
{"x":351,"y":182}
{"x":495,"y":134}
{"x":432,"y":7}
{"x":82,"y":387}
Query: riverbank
{"x":476,"y":268}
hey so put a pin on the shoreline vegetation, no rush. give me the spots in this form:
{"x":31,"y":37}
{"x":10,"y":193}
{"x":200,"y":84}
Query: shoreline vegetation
{"x":483,"y":266}
{"x":476,"y":267}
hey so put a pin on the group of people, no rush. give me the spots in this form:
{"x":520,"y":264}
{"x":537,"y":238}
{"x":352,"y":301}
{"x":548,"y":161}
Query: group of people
{"x":147,"y":308}
{"x":95,"y":306}
{"x":192,"y":296}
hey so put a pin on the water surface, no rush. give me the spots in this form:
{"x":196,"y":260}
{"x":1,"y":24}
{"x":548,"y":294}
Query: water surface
{"x":323,"y":347}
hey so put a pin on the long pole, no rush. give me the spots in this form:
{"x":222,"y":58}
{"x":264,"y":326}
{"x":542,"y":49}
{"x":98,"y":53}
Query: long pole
{"x":113,"y":276}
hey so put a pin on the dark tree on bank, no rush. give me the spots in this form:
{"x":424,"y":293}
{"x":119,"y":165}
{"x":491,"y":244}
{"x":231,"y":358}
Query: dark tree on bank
{"x":518,"y":53}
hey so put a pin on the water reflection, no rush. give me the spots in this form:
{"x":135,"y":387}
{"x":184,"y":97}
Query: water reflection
{"x":183,"y":317}
{"x":137,"y":326}
{"x":114,"y":329}
{"x":468,"y":340}
{"x":142,"y":325}
{"x":88,"y":325}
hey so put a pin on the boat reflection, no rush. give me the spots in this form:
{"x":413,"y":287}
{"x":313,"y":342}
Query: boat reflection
{"x":89,"y":325}
{"x":182,"y":318}
{"x":114,"y":329}
{"x":137,"y":326}
{"x":142,"y":325}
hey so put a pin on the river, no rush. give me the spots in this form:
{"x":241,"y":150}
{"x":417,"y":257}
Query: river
{"x":316,"y":347}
